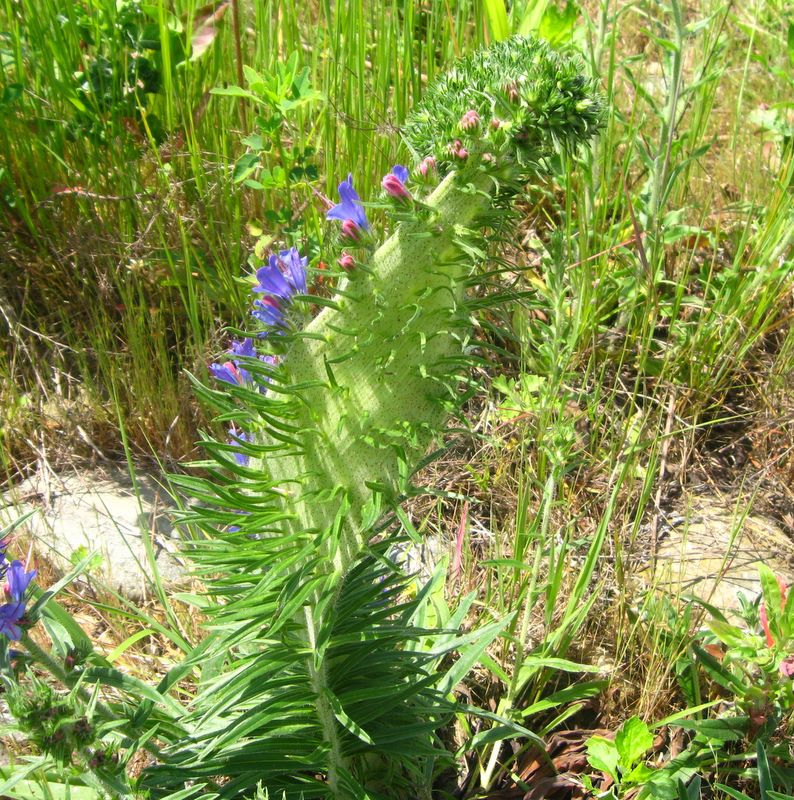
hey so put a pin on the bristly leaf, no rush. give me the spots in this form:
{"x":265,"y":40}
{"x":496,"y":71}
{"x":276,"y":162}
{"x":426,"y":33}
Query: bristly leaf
{"x":329,"y":689}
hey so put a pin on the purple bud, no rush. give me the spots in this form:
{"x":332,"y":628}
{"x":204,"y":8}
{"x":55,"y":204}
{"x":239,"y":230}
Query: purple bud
{"x":394,"y":188}
{"x":427,"y":164}
{"x":470,"y":120}
{"x":350,"y":231}
{"x":347,"y":262}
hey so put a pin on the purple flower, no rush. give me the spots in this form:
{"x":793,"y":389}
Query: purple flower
{"x":229,"y":372}
{"x":244,"y":348}
{"x":269,"y":311}
{"x":282,"y":277}
{"x":272,"y":280}
{"x":295,"y":268}
{"x":350,"y":208}
{"x":10,"y":614}
{"x":18,"y":580}
{"x":400,"y":172}
{"x":238,"y":437}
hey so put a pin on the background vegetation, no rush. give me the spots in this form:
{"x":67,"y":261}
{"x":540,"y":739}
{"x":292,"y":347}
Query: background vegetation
{"x":652,"y":355}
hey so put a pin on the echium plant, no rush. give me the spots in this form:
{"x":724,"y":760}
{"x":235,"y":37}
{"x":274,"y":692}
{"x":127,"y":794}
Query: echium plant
{"x":326,"y":685}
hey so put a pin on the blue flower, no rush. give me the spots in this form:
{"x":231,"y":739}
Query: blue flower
{"x":350,"y":208}
{"x":18,"y":580}
{"x":272,"y":281}
{"x":400,"y":172}
{"x":233,"y":372}
{"x":244,"y":348}
{"x":296,"y":268}
{"x":268,"y":310}
{"x":10,"y":614}
{"x":238,"y":437}
{"x":230,"y":372}
{"x":282,"y":277}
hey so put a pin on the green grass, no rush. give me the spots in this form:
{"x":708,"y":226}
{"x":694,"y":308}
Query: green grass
{"x":659,"y":315}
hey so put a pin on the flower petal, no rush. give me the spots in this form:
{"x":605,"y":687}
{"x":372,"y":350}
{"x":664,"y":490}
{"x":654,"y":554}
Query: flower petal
{"x":18,"y":579}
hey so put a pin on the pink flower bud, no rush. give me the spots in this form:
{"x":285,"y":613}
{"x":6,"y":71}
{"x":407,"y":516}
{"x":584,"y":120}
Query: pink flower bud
{"x":462,"y":153}
{"x":346,"y":261}
{"x":427,"y":164}
{"x":350,"y":231}
{"x":496,"y":124}
{"x":395,"y":188}
{"x":470,"y":120}
{"x":512,"y":92}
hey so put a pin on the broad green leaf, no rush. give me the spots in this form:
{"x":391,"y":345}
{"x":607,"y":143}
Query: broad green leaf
{"x":632,"y":741}
{"x":603,"y":754}
{"x":557,"y":26}
{"x":641,"y":774}
{"x":245,"y":165}
{"x":727,"y":633}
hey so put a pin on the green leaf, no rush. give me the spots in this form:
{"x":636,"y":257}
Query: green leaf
{"x":497,"y":19}
{"x":719,"y":673}
{"x":570,"y":694}
{"x":246,"y":164}
{"x":731,"y":729}
{"x":726,"y":633}
{"x":773,"y":601}
{"x":734,"y":793}
{"x":641,"y":774}
{"x":109,"y":676}
{"x":790,"y":42}
{"x":254,"y":141}
{"x":633,"y":740}
{"x":764,"y":773}
{"x":534,"y":11}
{"x":234,"y":91}
{"x":557,"y":26}
{"x":44,"y":597}
{"x":603,"y":754}
{"x":345,"y":721}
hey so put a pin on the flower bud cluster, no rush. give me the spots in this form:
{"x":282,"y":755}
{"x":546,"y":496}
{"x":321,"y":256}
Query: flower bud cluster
{"x":511,"y":105}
